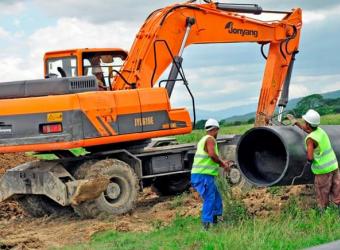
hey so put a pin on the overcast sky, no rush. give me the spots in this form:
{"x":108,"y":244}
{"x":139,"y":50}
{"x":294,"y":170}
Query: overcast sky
{"x":220,"y":75}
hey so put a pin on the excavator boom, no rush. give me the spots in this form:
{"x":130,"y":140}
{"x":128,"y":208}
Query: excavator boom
{"x":166,"y":32}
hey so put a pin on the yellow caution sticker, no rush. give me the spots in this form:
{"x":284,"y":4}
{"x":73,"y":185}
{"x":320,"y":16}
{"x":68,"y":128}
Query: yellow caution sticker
{"x":55,"y":117}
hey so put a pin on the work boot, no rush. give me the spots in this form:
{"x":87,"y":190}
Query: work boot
{"x":206,"y":226}
{"x":217,"y":219}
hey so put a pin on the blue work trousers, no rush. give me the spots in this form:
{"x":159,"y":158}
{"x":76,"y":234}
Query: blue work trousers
{"x":212,"y":202}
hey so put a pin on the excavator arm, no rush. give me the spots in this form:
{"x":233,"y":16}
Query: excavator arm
{"x":166,"y":32}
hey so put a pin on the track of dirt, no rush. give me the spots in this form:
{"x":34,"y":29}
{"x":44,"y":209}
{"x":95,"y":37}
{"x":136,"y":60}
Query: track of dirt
{"x":152,"y":212}
{"x":19,"y":231}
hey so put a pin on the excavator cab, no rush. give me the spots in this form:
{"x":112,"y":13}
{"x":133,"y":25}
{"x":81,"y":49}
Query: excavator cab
{"x":101,"y":63}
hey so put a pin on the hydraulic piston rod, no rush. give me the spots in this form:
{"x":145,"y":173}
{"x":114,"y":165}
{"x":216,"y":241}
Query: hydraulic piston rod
{"x":246,"y":8}
{"x":176,"y":65}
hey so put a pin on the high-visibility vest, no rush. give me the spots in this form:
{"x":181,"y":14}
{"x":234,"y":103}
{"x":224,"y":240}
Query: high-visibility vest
{"x":203,"y":164}
{"x":324,"y":157}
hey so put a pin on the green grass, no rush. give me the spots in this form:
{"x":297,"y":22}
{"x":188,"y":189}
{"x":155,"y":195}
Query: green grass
{"x":196,"y":135}
{"x":284,"y":232}
{"x":330,"y":119}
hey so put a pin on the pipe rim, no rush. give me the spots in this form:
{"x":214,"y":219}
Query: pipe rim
{"x":275,"y":132}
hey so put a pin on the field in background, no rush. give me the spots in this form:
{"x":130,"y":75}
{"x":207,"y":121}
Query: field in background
{"x":196,"y":135}
{"x":333,"y":119}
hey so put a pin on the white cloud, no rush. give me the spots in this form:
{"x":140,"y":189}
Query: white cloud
{"x":303,"y":85}
{"x":313,"y":16}
{"x":332,"y":87}
{"x":3,"y":33}
{"x":219,"y":86}
{"x":298,"y":90}
{"x":16,"y":68}
{"x":103,"y":10}
{"x":74,"y":33}
{"x":66,"y":34}
{"x":12,"y":7}
{"x":310,"y":16}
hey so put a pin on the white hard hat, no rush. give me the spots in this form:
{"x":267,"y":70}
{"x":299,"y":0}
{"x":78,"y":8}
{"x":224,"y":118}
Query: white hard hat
{"x":312,"y":117}
{"x":211,"y":124}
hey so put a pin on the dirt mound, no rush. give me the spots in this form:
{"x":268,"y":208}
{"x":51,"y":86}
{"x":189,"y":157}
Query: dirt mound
{"x":10,"y":210}
{"x":152,"y":212}
{"x":21,"y":244}
{"x":267,"y":201}
{"x":8,"y":161}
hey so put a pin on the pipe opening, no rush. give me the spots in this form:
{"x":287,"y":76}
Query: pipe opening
{"x":262,"y":157}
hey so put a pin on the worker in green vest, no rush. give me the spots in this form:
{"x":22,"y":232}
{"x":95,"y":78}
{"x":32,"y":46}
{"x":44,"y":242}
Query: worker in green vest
{"x":321,"y":159}
{"x":204,"y":170}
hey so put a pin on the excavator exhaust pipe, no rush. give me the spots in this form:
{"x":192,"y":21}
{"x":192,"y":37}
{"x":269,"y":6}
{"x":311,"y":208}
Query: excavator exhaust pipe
{"x":275,"y":156}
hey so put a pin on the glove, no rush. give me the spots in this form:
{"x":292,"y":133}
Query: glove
{"x":308,"y":164}
{"x":292,"y":119}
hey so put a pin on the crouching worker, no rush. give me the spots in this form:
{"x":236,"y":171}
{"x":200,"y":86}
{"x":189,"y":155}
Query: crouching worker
{"x":204,"y":170}
{"x":321,"y":159}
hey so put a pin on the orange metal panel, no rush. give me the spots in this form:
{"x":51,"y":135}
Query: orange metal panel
{"x":154,"y":99}
{"x":127,"y":102}
{"x":33,"y":105}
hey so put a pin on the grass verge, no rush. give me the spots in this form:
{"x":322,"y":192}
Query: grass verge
{"x":294,"y":228}
{"x":294,"y":231}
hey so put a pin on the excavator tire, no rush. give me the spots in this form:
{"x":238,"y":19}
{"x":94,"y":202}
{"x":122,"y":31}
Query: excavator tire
{"x":40,"y":206}
{"x":172,"y":184}
{"x":121,"y":193}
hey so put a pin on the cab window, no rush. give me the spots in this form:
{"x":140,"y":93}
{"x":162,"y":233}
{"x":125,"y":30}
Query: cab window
{"x":102,"y":65}
{"x":62,"y":67}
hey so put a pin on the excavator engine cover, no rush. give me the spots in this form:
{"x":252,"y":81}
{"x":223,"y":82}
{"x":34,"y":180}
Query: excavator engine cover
{"x":50,"y":86}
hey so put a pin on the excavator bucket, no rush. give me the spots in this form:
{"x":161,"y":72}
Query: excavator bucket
{"x":89,"y":189}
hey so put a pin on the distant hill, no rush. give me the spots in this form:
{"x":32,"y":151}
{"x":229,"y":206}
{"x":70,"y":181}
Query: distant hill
{"x":202,"y":114}
{"x":291,"y":105}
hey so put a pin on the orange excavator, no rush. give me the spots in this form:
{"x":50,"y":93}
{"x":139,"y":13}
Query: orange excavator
{"x":106,"y":101}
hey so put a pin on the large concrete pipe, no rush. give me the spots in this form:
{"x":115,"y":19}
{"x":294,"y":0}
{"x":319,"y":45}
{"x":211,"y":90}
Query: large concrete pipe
{"x":273,"y":156}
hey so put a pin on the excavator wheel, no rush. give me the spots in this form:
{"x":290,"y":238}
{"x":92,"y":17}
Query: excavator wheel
{"x":40,"y":206}
{"x":121,"y":193}
{"x":172,"y":184}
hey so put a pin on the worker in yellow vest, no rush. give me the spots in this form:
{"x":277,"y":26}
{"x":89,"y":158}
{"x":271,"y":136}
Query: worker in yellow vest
{"x":204,"y":170}
{"x":321,"y":159}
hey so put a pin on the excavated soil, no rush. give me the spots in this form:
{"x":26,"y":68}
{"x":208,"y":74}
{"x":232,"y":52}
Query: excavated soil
{"x":8,"y":161}
{"x":19,"y":231}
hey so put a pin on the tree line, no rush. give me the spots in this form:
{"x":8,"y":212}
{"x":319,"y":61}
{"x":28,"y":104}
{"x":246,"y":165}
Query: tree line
{"x":316,"y":101}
